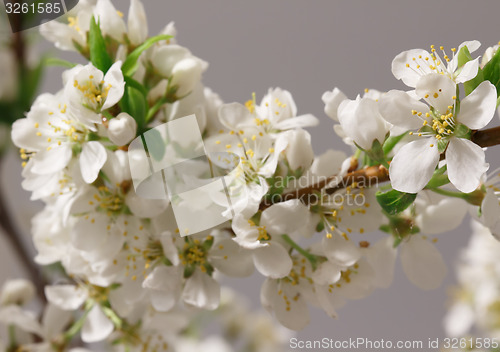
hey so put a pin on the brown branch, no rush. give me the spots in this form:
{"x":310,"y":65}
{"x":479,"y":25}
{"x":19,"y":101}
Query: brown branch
{"x":486,"y":138}
{"x":368,"y":176}
{"x":14,"y":238}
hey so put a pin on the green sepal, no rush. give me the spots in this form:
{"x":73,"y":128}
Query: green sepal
{"x":97,"y":46}
{"x":189,"y":271}
{"x":394,"y":202}
{"x":491,"y":71}
{"x":463,"y":57}
{"x":391,"y":142}
{"x":439,"y":178}
{"x":131,"y":62}
{"x":442,"y":144}
{"x":320,"y":227}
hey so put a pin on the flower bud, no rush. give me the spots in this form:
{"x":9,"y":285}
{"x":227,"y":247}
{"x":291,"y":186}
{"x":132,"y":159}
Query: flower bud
{"x":122,"y":129}
{"x":299,"y":152}
{"x":18,"y":291}
{"x":185,"y":74}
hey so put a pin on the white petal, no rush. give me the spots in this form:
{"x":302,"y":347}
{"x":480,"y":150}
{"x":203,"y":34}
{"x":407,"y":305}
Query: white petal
{"x":438,"y":90}
{"x":110,"y":22}
{"x":444,"y":216}
{"x":459,"y":320}
{"x":295,"y":315}
{"x":466,"y":164}
{"x":468,"y":71}
{"x":328,"y":163}
{"x":382,"y":257}
{"x":53,"y":160}
{"x":409,"y":75}
{"x":114,"y":77}
{"x":490,"y":208}
{"x":301,"y":121}
{"x":340,"y":251}
{"x":97,"y":327}
{"x":137,"y":23}
{"x":396,"y":107}
{"x":299,"y":152}
{"x":478,"y":108}
{"x":285,"y":217}
{"x":327,"y":273}
{"x":273,"y":260}
{"x":24,"y":320}
{"x":92,"y":159}
{"x":362,"y":122}
{"x":422,"y":263}
{"x":66,"y":297}
{"x":332,"y":101}
{"x":413,"y":165}
{"x":202,"y":291}
{"x":231,"y":259}
{"x":55,"y":320}
{"x":164,"y":285}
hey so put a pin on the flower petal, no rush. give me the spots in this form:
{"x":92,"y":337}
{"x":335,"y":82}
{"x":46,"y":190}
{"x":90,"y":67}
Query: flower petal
{"x":422,"y":263}
{"x":341,"y":251}
{"x":66,"y":297}
{"x":53,"y":160}
{"x":382,"y":258}
{"x":478,"y":108}
{"x":114,"y":78}
{"x":97,"y":326}
{"x":409,"y":75}
{"x":92,"y":159}
{"x":438,"y":90}
{"x":468,"y":71}
{"x":413,"y":165}
{"x":231,"y":259}
{"x":396,"y":107}
{"x":285,"y":217}
{"x":201,"y":291}
{"x":466,"y":164}
{"x":332,"y":101}
{"x":273,"y":260}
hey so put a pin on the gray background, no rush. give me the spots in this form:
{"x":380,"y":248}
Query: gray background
{"x":308,"y":47}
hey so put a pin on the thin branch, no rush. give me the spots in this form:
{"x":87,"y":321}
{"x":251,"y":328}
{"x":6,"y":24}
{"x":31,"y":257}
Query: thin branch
{"x":14,"y":238}
{"x":368,"y":176}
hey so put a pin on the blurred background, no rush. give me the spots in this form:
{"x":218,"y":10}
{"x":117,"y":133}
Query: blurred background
{"x":306,"y":47}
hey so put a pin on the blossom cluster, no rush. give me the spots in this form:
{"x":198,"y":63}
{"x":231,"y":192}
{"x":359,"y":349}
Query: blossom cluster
{"x":130,"y":273}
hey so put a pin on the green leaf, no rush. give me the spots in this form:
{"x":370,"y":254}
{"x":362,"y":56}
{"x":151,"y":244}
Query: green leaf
{"x":155,"y":144}
{"x":491,"y":71}
{"x":54,"y":61}
{"x":131,"y":62}
{"x":464,"y":57}
{"x":394,"y":202}
{"x":391,"y":142}
{"x":135,"y":104}
{"x":98,"y":52}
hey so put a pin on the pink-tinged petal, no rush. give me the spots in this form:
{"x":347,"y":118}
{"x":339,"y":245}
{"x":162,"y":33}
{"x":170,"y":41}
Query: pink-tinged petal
{"x":478,"y":108}
{"x":422,"y":263}
{"x":66,"y":297}
{"x":468,"y":71}
{"x":466,"y":164}
{"x":413,"y":165}
{"x":97,"y":327}
{"x":397,"y":108}
{"x":53,"y":160}
{"x":409,"y":75}
{"x":201,"y":291}
{"x":92,"y":159}
{"x":332,"y":101}
{"x":438,"y":90}
{"x":273,"y":260}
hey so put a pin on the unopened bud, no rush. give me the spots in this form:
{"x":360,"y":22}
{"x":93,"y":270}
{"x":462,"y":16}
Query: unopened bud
{"x":122,"y":129}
